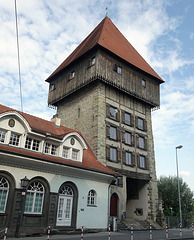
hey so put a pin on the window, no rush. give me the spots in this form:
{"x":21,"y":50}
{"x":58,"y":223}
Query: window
{"x":52,"y":87}
{"x":143,"y":82}
{"x":93,"y":61}
{"x":117,"y":68}
{"x":32,"y":144}
{"x":2,"y":136}
{"x":128,"y":138}
{"x":14,"y":139}
{"x":127,"y":118}
{"x":66,"y":190}
{"x":71,"y":75}
{"x":65,"y":152}
{"x":113,"y":154}
{"x":34,"y":198}
{"x":74,"y":154}
{"x":141,"y":142}
{"x":142,"y":162}
{"x":50,"y":149}
{"x":92,"y":198}
{"x":113,"y":132}
{"x":113,"y":113}
{"x":4,"y":190}
{"x":128,"y":158}
{"x":140,"y":123}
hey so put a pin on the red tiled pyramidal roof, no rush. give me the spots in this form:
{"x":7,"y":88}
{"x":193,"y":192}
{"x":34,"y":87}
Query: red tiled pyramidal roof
{"x":107,"y":35}
{"x":89,"y":161}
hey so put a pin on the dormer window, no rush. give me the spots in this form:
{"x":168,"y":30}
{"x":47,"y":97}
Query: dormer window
{"x":75,"y":154}
{"x":14,"y":139}
{"x":2,"y":136}
{"x":50,"y":149}
{"x":65,"y":152}
{"x":32,"y":144}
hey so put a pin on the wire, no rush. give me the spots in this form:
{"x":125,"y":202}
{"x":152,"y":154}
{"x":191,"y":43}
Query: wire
{"x":18,"y":53}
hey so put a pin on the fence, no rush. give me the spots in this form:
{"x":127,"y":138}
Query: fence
{"x":173,"y":222}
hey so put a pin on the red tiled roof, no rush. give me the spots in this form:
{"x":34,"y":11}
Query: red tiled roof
{"x":39,"y":124}
{"x":107,"y":35}
{"x":89,"y":160}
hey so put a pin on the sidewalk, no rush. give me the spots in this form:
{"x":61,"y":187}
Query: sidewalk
{"x":122,"y":235}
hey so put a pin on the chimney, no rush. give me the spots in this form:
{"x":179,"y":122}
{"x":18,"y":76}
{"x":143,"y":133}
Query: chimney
{"x":56,"y":120}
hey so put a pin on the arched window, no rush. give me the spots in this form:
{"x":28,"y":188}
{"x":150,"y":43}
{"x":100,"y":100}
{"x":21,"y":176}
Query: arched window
{"x":4,"y":190}
{"x":92,"y":198}
{"x":34,"y":198}
{"x":66,"y":190}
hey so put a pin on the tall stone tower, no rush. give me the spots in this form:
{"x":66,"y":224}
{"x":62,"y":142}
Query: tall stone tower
{"x":106,"y":90}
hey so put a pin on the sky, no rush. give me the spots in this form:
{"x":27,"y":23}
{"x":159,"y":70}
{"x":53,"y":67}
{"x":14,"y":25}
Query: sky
{"x":160,"y":30}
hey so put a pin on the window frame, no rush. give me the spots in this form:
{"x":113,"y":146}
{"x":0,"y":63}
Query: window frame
{"x":126,"y":138}
{"x":125,"y":120}
{"x":113,"y":113}
{"x":12,"y":139}
{"x":113,"y":154}
{"x":33,"y":197}
{"x":142,"y":162}
{"x":140,"y":123}
{"x":92,"y":198}
{"x":127,"y":153}
{"x":34,"y":144}
{"x":141,"y":142}
{"x":3,"y":188}
{"x":2,"y":135}
{"x":113,"y":133}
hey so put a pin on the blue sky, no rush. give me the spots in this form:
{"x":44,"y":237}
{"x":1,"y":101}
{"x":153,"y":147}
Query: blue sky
{"x":161,"y":31}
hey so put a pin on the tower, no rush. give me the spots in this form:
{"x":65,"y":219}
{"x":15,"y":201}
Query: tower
{"x":108,"y":91}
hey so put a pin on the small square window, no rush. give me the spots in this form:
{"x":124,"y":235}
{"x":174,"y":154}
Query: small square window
{"x":113,"y":154}
{"x":119,"y":70}
{"x":71,"y":75}
{"x":52,"y":87}
{"x":93,"y":61}
{"x":143,"y":83}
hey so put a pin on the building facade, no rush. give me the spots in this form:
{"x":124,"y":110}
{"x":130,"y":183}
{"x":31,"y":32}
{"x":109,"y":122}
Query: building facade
{"x":66,"y":185}
{"x":109,"y":91}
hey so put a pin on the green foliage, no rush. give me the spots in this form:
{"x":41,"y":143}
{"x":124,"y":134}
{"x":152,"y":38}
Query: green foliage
{"x":168,"y":192}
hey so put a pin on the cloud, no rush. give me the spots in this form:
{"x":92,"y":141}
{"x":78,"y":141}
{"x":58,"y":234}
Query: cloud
{"x":184,"y":173}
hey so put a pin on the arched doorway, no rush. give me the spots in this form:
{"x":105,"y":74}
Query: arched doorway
{"x":67,"y":205}
{"x":114,"y":205}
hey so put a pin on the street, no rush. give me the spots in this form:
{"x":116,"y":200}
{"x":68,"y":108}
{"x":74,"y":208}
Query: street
{"x":122,"y":235}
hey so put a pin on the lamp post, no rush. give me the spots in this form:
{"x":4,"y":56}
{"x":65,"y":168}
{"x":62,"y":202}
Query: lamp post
{"x":179,"y":147}
{"x":24,"y":184}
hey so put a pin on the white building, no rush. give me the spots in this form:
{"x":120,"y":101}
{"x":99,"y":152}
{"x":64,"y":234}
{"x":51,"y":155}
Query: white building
{"x":67,"y":188}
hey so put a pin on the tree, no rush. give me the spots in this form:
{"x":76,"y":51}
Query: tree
{"x":168,"y":192}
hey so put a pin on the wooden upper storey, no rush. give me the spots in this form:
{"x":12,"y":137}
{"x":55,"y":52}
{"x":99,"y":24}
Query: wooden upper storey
{"x":103,"y":51}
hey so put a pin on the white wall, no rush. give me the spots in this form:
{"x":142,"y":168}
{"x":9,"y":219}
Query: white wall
{"x":88,"y":216}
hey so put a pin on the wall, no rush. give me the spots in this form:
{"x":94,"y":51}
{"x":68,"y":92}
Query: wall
{"x":85,"y":214}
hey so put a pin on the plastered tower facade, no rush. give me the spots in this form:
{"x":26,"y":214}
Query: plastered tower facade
{"x":106,"y":90}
